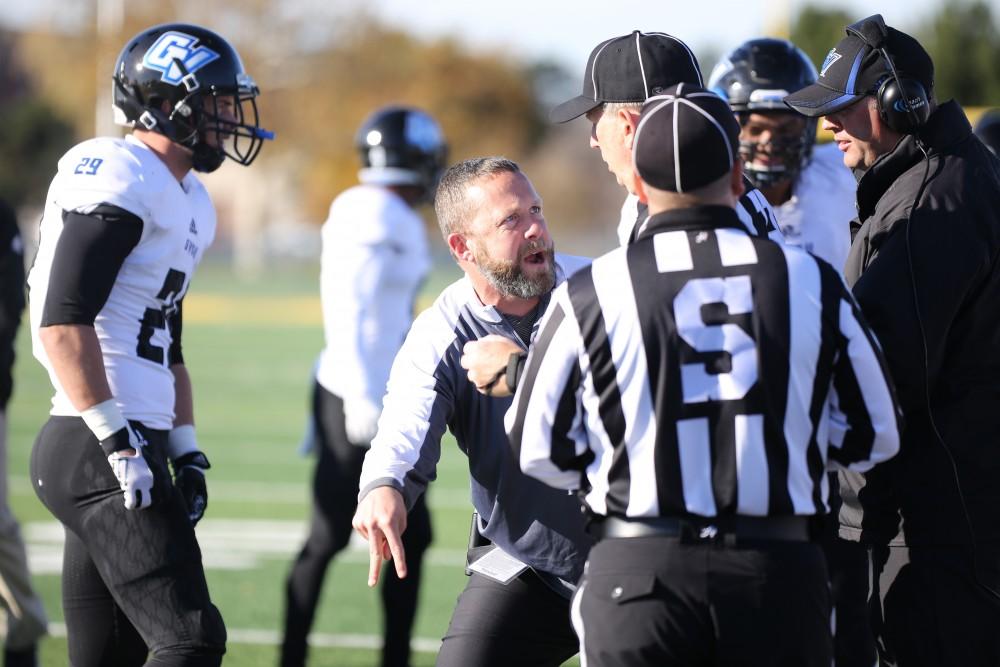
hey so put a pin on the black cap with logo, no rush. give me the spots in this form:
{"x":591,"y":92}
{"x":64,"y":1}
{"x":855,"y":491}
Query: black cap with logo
{"x":855,"y":68}
{"x":686,"y":138}
{"x":630,"y":68}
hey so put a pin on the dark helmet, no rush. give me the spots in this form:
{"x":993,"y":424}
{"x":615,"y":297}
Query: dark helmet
{"x":988,"y":130}
{"x":401,"y":146}
{"x":172,"y":79}
{"x":754,"y":78}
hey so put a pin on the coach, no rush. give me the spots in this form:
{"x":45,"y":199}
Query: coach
{"x":923,"y":267}
{"x":701,"y":380}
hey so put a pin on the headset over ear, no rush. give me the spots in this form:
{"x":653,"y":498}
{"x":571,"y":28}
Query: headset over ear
{"x":902,"y":102}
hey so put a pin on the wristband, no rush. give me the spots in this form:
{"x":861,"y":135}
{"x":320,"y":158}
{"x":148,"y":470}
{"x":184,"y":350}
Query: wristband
{"x":103,"y":419}
{"x":515,"y":364}
{"x":180,"y":441}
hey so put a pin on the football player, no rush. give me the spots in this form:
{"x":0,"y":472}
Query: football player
{"x":810,"y":190}
{"x":374,"y":259}
{"x":126,"y":223}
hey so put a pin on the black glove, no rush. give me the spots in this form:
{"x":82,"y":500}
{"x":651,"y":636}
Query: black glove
{"x":189,"y":478}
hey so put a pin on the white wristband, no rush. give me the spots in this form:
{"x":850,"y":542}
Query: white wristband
{"x":103,"y":419}
{"x":181,"y":441}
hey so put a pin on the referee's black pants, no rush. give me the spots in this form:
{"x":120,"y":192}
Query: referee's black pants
{"x":335,"y":498}
{"x":132,"y":581}
{"x":524,"y":623}
{"x":665,"y":601}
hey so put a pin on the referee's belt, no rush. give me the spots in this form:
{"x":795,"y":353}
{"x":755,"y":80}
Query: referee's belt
{"x":726,"y":529}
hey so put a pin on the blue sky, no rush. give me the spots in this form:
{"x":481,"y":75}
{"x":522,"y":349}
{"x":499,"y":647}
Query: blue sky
{"x":564,"y":31}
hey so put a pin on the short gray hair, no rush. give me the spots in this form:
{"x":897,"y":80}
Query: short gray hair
{"x":450,"y":202}
{"x":612,"y":108}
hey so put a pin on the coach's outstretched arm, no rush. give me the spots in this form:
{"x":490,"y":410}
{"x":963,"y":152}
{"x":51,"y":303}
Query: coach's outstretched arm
{"x":404,"y":453}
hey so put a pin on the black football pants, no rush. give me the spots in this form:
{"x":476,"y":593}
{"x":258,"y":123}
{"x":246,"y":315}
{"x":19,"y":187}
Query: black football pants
{"x":665,"y":601}
{"x":335,"y":498}
{"x":522,"y":623}
{"x":132,"y":580}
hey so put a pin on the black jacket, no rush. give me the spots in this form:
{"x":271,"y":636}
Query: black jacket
{"x":11,"y":296}
{"x":945,"y":355}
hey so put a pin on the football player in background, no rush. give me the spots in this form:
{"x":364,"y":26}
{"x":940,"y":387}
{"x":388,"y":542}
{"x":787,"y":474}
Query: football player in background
{"x":375,"y":256}
{"x":808,"y":186}
{"x":126,"y":223}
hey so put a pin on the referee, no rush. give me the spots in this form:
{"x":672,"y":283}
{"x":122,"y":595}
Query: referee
{"x":694,"y":386}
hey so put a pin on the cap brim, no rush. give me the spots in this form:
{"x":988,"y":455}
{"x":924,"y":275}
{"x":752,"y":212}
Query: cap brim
{"x":573,"y":108}
{"x":818,"y":100}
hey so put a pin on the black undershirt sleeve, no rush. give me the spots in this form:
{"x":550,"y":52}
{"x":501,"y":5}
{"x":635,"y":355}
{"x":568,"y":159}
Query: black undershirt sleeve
{"x":175,"y":324}
{"x":91,"y":250}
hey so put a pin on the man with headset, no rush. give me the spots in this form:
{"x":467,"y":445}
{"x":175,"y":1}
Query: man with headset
{"x":923,"y":268}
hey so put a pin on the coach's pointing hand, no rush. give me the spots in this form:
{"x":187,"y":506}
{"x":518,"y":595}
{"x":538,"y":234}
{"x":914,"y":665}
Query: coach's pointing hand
{"x":381,"y":519}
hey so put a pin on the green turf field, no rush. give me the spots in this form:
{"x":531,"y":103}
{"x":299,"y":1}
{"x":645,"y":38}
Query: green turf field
{"x":250,"y":346}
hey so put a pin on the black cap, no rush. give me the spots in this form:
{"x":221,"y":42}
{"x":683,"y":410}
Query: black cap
{"x":686,"y":138}
{"x":856,"y":67}
{"x":630,"y":68}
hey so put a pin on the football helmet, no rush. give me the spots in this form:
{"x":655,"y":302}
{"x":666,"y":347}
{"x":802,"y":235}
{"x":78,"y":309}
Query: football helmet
{"x":988,"y":130}
{"x":401,"y":146}
{"x":188,"y":84}
{"x":754,"y":78}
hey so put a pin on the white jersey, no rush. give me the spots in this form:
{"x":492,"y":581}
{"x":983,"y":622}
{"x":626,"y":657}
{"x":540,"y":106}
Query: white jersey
{"x":817,"y":216}
{"x":375,"y":256}
{"x":178,"y":225}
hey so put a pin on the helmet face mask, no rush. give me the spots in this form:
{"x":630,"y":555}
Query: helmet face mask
{"x":754,"y":78}
{"x":401,"y":146}
{"x":774,"y":145}
{"x":188,"y":84}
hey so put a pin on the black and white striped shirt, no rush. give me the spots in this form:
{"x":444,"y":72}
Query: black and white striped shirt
{"x":702,"y":371}
{"x":753,"y":209}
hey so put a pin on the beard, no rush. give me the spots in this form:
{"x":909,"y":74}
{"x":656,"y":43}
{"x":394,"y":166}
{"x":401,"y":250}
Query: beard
{"x":509,"y":277}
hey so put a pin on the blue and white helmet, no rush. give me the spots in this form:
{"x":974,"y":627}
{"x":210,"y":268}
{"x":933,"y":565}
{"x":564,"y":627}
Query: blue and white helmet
{"x":171,"y":78}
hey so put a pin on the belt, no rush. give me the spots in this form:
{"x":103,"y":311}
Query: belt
{"x":778,"y":528}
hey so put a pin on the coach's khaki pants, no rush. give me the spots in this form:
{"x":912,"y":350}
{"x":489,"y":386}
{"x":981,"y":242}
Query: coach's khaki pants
{"x":22,"y":618}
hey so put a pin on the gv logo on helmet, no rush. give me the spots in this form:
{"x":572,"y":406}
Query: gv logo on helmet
{"x":171,"y":47}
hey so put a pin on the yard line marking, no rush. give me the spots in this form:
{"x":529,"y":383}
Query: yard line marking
{"x":283,"y":493}
{"x":226,"y":544}
{"x":316,"y":639}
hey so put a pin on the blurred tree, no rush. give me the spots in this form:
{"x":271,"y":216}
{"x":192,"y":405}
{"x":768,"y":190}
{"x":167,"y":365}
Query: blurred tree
{"x":321,"y":70}
{"x":484,"y":101}
{"x":32,"y":136}
{"x":962,"y":38}
{"x":817,"y":29}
